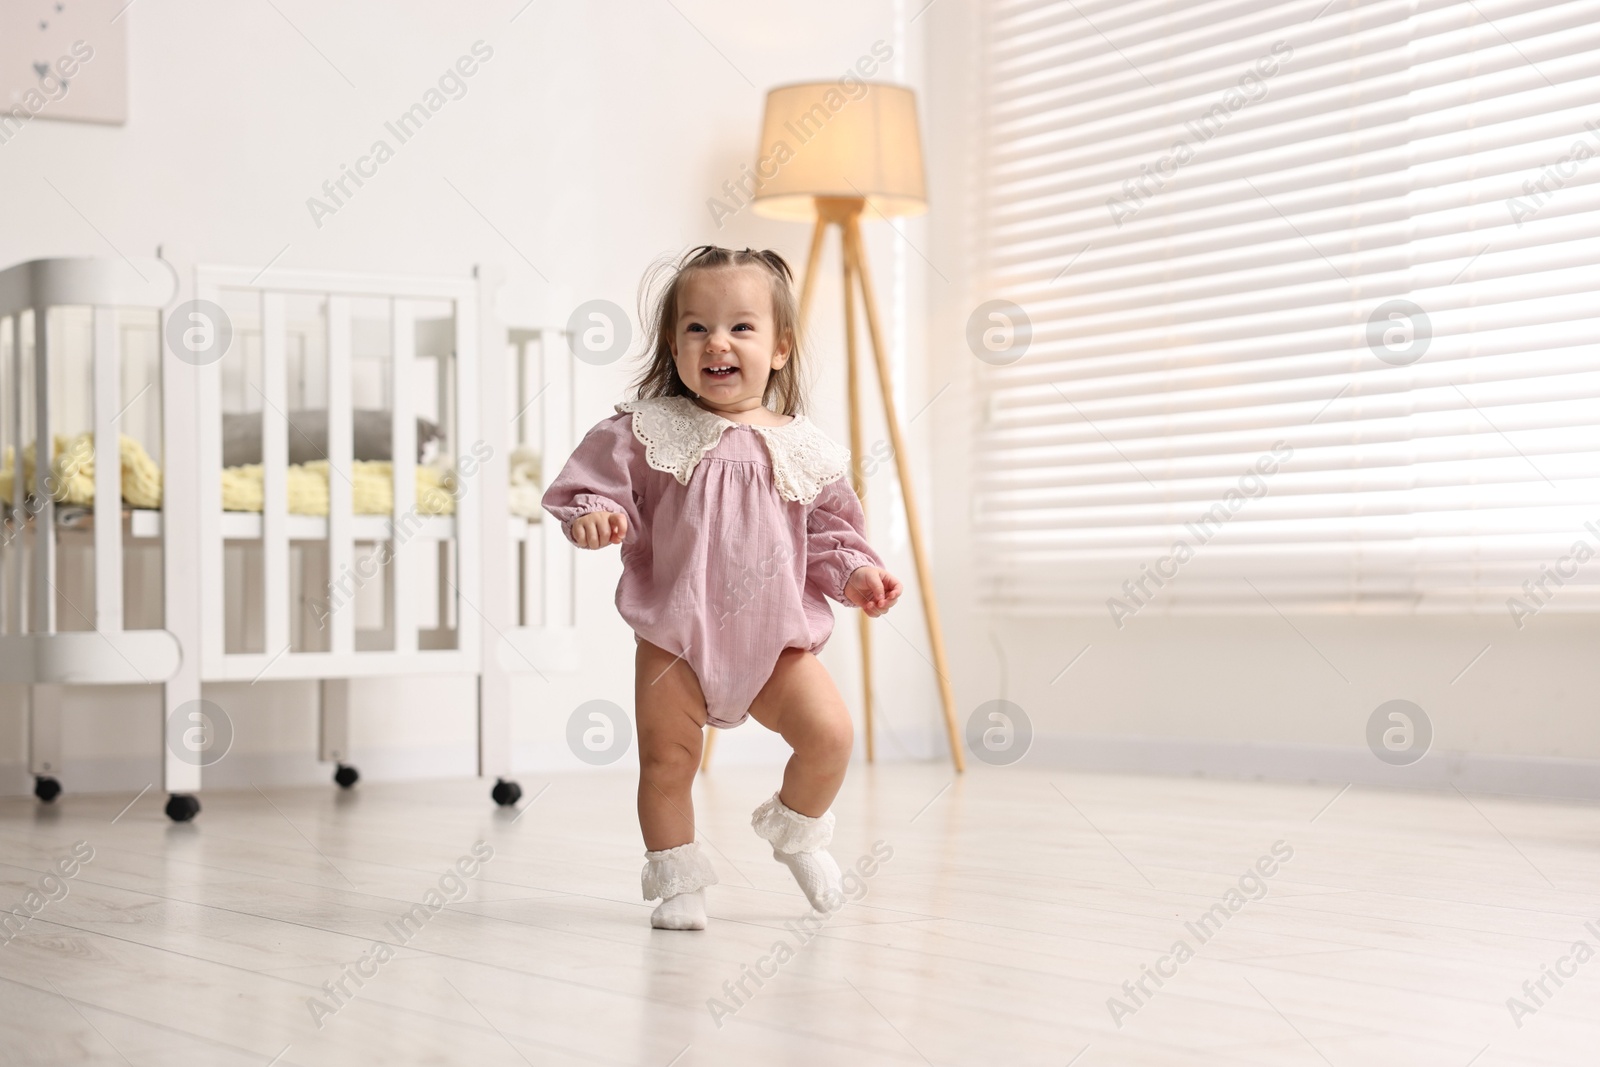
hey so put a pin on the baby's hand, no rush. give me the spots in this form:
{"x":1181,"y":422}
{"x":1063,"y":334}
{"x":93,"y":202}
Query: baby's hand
{"x":598,"y":529}
{"x":872,"y":590}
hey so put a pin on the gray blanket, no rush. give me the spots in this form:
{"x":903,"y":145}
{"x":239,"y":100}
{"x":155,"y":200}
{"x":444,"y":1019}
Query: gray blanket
{"x":308,"y":437}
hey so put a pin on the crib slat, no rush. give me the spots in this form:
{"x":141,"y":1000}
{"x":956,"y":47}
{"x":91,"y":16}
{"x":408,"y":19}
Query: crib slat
{"x":107,"y":473}
{"x":19,"y":490}
{"x":557,"y":434}
{"x":42,"y":618}
{"x":274,"y":479}
{"x":402,"y":409}
{"x":206,"y":493}
{"x":531,"y":401}
{"x":469,"y":444}
{"x":341,"y":472}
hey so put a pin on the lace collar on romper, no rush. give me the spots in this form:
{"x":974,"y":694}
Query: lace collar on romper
{"x":677,"y":433}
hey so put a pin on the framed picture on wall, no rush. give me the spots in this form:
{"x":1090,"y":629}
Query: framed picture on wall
{"x":62,"y":59}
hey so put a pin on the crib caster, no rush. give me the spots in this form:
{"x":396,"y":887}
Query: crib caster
{"x":46,"y":788}
{"x":181,"y":807}
{"x":505,"y":793}
{"x":346,"y":776}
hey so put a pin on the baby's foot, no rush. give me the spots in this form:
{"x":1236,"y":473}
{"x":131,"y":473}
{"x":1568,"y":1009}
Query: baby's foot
{"x":686,"y":911}
{"x":818,"y":875}
{"x":678,"y":876}
{"x":800,"y":843}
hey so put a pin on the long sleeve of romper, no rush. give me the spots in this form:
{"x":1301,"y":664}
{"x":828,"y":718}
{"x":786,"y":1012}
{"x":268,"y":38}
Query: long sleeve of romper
{"x":836,"y":542}
{"x":602,"y":474}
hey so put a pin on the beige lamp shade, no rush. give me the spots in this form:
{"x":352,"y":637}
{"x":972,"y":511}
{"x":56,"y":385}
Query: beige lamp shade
{"x":820,"y":140}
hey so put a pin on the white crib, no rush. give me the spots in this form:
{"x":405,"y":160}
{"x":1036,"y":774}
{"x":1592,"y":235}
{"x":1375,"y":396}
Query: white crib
{"x":272,"y":595}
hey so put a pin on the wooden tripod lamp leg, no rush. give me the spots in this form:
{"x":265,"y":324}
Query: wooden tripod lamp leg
{"x":856,"y":256}
{"x":706,"y":746}
{"x":808,"y":283}
{"x":853,"y":391}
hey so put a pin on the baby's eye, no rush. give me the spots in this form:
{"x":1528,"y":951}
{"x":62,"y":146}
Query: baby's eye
{"x":693,"y":326}
{"x":744,"y":326}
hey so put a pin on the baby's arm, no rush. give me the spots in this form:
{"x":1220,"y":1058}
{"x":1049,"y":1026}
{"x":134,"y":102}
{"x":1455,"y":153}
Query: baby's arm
{"x":593,"y":496}
{"x":838,"y":558}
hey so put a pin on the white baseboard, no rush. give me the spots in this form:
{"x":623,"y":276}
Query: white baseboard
{"x":123,"y":774}
{"x":1536,"y":776}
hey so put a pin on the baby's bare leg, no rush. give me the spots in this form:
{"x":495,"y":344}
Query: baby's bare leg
{"x":801,"y":704}
{"x":671,"y":711}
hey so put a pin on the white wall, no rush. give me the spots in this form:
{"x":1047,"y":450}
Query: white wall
{"x":591,"y":141}
{"x":1228,"y":695}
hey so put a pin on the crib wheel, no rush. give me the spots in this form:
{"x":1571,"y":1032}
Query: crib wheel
{"x":346,"y":776}
{"x":46,"y":788}
{"x":181,"y":807}
{"x":506,"y":793}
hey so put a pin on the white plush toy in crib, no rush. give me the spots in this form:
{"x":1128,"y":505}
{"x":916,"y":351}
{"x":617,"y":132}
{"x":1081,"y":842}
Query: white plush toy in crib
{"x":525,"y":492}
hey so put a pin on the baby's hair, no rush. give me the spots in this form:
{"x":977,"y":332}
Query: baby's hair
{"x":659,"y":295}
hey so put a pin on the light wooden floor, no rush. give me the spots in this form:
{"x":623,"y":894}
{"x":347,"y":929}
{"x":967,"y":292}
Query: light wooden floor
{"x":1016,"y":903}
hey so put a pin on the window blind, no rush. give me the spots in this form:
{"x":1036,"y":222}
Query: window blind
{"x":1294,"y":307}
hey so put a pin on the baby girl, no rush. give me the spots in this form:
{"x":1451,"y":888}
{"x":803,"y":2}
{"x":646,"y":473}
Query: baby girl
{"x":735,"y":519}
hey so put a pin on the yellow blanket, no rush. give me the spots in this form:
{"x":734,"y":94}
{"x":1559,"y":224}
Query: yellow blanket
{"x":72,"y":481}
{"x":372,"y":489}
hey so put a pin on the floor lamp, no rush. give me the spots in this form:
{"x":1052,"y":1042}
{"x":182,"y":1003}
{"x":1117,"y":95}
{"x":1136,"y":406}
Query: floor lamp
{"x":827,"y":158}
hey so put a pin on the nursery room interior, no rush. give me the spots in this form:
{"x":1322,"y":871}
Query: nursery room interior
{"x":1044,"y":531}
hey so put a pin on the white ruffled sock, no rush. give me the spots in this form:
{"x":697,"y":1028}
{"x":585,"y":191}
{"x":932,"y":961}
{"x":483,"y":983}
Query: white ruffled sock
{"x":800,"y":842}
{"x":679,"y":877}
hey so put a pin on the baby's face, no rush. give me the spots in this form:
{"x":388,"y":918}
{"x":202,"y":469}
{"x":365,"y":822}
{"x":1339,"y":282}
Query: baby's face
{"x":725,"y":343}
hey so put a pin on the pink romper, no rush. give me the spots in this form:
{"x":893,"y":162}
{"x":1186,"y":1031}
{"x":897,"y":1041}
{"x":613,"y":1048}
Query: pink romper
{"x":735,"y":535}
